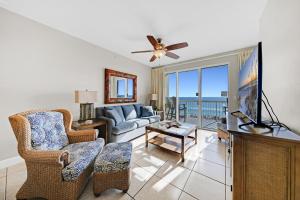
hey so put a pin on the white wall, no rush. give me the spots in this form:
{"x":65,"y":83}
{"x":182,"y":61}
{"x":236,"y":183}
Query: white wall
{"x":280,"y":34}
{"x":41,"y":67}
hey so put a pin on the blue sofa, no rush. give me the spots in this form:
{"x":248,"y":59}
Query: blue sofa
{"x":124,"y":122}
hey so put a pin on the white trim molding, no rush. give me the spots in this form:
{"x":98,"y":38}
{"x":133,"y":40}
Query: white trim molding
{"x":10,"y":161}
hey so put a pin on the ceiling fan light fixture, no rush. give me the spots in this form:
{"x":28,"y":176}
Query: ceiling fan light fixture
{"x":159,"y":53}
{"x":160,"y":50}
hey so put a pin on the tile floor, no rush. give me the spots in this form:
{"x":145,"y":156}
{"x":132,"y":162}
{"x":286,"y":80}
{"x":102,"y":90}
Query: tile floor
{"x":157,"y":174}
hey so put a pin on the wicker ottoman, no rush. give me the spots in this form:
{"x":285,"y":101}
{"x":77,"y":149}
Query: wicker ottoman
{"x":112,"y":168}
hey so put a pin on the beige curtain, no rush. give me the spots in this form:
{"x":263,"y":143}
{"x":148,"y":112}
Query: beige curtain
{"x":244,"y":55}
{"x":157,"y":85}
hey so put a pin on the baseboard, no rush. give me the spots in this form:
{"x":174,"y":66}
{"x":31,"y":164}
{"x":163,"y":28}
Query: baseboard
{"x":10,"y":161}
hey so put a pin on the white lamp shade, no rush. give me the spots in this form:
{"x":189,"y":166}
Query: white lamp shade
{"x":153,"y":96}
{"x":85,"y":96}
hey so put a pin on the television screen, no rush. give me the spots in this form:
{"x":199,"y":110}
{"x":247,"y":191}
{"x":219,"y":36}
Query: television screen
{"x":250,"y":86}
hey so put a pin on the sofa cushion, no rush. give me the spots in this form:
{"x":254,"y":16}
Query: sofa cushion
{"x":47,"y":131}
{"x":152,"y":119}
{"x":147,"y":111}
{"x":123,"y":127}
{"x":129,"y":112}
{"x":113,"y":114}
{"x":81,"y":156}
{"x":140,"y":122}
{"x":115,"y":157}
{"x":138,"y":109}
{"x":118,"y":109}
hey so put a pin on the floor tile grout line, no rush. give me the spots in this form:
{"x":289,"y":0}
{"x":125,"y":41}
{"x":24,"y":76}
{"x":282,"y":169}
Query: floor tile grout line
{"x":129,"y":195}
{"x":192,"y":170}
{"x":172,"y":183}
{"x":148,"y":169}
{"x":187,"y":180}
{"x":209,"y":149}
{"x":144,"y":185}
{"x":148,"y":179}
{"x":191,"y":195}
{"x":180,"y":194}
{"x":189,"y":176}
{"x":185,"y":185}
{"x":212,"y":162}
{"x":210,"y":178}
{"x":161,"y":179}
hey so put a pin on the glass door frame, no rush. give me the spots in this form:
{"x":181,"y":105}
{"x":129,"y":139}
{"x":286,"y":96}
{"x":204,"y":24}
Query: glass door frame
{"x":165,"y":90}
{"x":199,"y":68}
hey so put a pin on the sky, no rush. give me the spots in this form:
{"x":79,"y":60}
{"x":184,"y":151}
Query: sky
{"x":121,"y":87}
{"x":214,"y":80}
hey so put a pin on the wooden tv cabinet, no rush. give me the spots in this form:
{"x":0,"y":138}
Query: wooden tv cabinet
{"x":265,"y":166}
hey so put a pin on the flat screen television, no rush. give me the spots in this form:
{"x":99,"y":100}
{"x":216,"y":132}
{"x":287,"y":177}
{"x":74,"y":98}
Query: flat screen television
{"x":250,"y":86}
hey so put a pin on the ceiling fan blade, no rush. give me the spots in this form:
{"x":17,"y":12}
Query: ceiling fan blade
{"x":152,"y":58}
{"x":153,"y":41}
{"x":142,"y":51}
{"x":177,"y":46}
{"x":172,"y":55}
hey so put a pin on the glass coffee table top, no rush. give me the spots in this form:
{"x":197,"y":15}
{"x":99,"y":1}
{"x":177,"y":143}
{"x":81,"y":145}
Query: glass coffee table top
{"x":183,"y":129}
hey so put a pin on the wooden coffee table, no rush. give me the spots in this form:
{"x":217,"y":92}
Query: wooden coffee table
{"x":172,"y":138}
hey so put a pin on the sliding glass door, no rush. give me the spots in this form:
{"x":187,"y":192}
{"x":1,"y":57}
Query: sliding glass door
{"x":197,"y":96}
{"x":214,"y":87}
{"x":188,"y":106}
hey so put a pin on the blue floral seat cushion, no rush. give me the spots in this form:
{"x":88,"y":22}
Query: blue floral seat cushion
{"x":115,"y":157}
{"x":47,"y":131}
{"x":81,"y":156}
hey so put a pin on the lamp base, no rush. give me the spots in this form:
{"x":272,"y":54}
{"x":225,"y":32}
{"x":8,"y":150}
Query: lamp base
{"x":86,"y":111}
{"x":153,"y":104}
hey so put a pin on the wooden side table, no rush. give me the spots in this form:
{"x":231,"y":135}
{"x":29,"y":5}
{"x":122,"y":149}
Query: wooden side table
{"x":95,"y":125}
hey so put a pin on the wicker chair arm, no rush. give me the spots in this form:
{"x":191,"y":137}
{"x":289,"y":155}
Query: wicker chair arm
{"x":82,"y":136}
{"x":59,"y":157}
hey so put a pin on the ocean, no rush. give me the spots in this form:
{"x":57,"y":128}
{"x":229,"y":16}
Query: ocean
{"x":211,"y":106}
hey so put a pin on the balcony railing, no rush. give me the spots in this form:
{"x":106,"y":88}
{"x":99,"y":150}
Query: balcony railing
{"x":212,"y":111}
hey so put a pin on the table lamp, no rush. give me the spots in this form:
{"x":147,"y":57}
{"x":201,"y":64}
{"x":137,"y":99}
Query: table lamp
{"x":86,"y":99}
{"x":153,"y":99}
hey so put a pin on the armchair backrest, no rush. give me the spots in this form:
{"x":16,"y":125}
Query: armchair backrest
{"x":34,"y":129}
{"x":47,"y":131}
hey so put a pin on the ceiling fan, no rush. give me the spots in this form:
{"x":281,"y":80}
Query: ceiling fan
{"x":161,"y":49}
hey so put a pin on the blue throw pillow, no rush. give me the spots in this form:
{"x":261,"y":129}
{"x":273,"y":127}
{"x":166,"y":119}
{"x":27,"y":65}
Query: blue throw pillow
{"x":147,"y":111}
{"x":129,"y":112}
{"x":138,"y":109}
{"x":113,"y":114}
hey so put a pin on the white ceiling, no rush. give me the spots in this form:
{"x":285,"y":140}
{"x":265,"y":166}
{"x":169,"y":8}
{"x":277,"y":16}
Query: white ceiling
{"x":209,"y":26}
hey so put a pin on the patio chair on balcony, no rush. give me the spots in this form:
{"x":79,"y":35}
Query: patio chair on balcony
{"x":171,"y":109}
{"x":182,"y":111}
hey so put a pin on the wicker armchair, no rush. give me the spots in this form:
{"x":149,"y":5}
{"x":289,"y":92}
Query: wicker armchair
{"x":44,"y":167}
